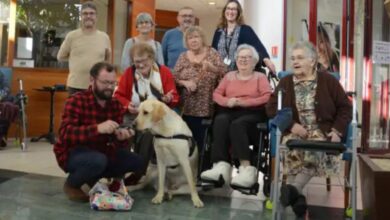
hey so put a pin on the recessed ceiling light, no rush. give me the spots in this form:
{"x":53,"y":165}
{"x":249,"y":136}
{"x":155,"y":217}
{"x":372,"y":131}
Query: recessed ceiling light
{"x":211,"y":3}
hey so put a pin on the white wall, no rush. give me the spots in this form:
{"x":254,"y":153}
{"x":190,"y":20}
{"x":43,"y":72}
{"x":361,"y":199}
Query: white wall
{"x":267,"y":21}
{"x":120,"y":21}
{"x":208,"y":23}
{"x":102,"y":7}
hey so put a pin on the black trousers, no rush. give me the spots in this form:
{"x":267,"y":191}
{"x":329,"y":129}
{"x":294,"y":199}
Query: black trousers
{"x":198,"y":130}
{"x":143,"y":147}
{"x":235,"y":128}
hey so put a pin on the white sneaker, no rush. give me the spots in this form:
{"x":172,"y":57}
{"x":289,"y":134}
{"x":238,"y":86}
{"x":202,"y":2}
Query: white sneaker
{"x":246,"y":176}
{"x":220,"y":168}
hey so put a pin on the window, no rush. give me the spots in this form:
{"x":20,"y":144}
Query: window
{"x":4,"y":21}
{"x":41,"y":26}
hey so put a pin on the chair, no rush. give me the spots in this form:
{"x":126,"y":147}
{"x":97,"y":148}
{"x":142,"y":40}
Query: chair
{"x":261,"y":158}
{"x":348,"y":148}
{"x":18,"y":101}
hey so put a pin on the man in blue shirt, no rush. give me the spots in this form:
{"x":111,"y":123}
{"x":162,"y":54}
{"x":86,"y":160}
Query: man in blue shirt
{"x":172,"y":42}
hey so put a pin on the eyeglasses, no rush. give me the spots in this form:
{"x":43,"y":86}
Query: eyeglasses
{"x":187,"y":16}
{"x":244,"y":57}
{"x":86,"y":14}
{"x":144,"y":23}
{"x":298,"y":58}
{"x":231,"y":9}
{"x":141,"y":61}
{"x":107,"y":83}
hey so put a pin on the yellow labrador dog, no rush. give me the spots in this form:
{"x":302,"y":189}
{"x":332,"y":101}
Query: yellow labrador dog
{"x":171,"y":149}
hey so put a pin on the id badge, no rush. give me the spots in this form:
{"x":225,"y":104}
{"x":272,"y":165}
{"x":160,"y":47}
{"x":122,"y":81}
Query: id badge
{"x":227,"y":61}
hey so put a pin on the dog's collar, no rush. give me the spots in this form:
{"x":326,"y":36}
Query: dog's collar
{"x":190,"y":139}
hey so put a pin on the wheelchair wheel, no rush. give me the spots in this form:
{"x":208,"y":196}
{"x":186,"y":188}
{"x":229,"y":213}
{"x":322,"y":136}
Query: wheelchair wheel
{"x":205,"y":153}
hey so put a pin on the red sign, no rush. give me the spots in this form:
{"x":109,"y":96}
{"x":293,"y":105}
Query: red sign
{"x":274,"y":51}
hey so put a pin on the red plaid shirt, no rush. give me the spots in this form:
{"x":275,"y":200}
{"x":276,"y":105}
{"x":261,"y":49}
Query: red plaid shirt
{"x":79,"y":123}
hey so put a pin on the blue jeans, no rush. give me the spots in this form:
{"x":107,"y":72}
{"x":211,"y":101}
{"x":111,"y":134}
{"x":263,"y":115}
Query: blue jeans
{"x":86,"y":165}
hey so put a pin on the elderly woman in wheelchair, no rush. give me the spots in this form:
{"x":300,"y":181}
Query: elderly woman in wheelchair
{"x":241,"y":97}
{"x":321,"y":111}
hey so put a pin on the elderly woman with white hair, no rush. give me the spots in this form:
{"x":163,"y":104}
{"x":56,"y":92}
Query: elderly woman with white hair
{"x":320,"y":111}
{"x":144,"y":25}
{"x":241,"y":97}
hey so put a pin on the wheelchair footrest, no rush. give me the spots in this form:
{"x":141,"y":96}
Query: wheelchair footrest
{"x":325,"y":146}
{"x":253,"y":190}
{"x":210,"y":184}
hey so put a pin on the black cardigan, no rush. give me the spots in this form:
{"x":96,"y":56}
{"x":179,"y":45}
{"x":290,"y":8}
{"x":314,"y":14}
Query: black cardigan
{"x":246,"y":36}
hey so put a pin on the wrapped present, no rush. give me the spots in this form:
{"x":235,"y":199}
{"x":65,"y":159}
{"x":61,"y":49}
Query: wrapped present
{"x":101,"y":198}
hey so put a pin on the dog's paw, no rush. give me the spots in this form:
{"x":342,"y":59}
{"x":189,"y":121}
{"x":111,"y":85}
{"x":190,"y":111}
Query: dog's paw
{"x":197,"y":202}
{"x":158,"y":199}
{"x":169,"y":196}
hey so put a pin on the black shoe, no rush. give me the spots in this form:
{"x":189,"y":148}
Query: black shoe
{"x":300,"y":206}
{"x":3,"y":142}
{"x":288,"y":195}
{"x":133,"y":179}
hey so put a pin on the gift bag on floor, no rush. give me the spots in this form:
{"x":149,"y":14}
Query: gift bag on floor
{"x":118,"y":199}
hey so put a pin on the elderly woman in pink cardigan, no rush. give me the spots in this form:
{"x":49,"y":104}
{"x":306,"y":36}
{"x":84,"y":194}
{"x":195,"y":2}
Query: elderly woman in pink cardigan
{"x":241,"y":97}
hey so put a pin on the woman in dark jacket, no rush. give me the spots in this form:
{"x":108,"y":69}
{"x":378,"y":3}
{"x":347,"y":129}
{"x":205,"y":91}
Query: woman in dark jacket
{"x":321,"y":111}
{"x":232,"y":32}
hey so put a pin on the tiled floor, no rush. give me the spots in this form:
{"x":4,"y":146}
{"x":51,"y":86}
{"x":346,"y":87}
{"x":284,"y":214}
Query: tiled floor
{"x":31,"y":188}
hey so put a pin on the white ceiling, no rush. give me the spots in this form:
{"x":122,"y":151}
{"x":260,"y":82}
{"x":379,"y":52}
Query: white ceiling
{"x":200,"y":6}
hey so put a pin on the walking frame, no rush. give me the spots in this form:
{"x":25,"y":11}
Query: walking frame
{"x":277,"y":211}
{"x":22,"y":118}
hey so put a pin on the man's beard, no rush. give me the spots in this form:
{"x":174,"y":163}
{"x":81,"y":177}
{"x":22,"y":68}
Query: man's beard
{"x":105,"y":94}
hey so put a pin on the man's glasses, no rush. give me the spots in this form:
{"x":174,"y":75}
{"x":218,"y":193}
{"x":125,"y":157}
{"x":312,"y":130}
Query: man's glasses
{"x":107,"y":83}
{"x":187,"y":16}
{"x":85,"y":14}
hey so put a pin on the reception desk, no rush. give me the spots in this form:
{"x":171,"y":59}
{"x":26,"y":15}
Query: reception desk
{"x":375,"y":186}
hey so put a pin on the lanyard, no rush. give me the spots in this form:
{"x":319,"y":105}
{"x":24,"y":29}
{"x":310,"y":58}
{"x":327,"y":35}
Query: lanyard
{"x":227,"y":45}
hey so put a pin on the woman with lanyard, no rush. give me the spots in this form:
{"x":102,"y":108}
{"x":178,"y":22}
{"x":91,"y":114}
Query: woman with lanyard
{"x":232,"y":32}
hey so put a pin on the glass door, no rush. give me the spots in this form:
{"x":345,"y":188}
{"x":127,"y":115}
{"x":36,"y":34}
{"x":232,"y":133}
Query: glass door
{"x":378,"y":128}
{"x":297,"y":22}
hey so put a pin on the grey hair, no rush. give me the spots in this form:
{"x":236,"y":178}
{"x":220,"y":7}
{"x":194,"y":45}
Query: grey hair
{"x":88,"y":4}
{"x":144,"y":17}
{"x":308,"y":48}
{"x":255,"y":55}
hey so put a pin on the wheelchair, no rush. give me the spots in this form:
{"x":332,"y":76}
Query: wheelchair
{"x":261,"y":155}
{"x":260,"y":159}
{"x":348,"y":149}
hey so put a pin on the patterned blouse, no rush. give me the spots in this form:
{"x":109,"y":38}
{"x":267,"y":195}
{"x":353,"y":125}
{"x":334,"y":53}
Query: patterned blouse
{"x":199,"y":103}
{"x":310,"y":162}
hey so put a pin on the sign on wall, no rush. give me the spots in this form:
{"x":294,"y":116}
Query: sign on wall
{"x":381,"y":52}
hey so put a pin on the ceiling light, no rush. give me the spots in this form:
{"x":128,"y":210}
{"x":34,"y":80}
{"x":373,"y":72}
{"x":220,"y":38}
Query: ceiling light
{"x":211,"y":3}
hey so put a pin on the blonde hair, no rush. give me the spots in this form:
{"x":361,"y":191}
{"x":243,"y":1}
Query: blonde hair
{"x":190,"y":31}
{"x":140,"y":49}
